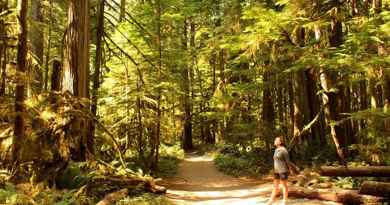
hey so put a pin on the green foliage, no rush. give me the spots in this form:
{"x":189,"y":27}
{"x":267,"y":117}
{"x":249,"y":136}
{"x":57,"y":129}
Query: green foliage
{"x":170,"y":157}
{"x":31,"y":195}
{"x":9,"y":195}
{"x":347,"y":182}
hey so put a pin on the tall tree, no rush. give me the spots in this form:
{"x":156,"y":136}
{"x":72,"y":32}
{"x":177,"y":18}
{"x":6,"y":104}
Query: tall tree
{"x":301,"y":101}
{"x":19,"y":129}
{"x":98,"y":63}
{"x":76,"y":67}
{"x":332,"y":96}
{"x":187,"y":132}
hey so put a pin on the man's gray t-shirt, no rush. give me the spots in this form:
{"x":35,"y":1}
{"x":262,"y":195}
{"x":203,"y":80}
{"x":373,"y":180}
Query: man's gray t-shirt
{"x":281,"y":160}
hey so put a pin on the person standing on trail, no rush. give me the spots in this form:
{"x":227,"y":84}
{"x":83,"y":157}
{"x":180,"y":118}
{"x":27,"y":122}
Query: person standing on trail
{"x":282,"y":165}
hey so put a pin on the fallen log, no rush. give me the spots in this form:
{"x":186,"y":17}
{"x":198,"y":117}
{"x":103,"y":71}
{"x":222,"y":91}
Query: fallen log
{"x":113,"y":197}
{"x":115,"y":183}
{"x":342,"y":196}
{"x":372,"y":171}
{"x":375,"y":188}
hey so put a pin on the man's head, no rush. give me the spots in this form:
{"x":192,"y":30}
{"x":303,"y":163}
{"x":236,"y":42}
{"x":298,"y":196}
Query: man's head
{"x":279,"y":141}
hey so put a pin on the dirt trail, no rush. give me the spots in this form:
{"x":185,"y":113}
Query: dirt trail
{"x":198,"y":182}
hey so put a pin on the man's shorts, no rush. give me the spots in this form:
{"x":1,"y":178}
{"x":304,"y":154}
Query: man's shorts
{"x":282,"y":176}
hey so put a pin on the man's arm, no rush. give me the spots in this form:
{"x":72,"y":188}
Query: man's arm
{"x":291,"y":166}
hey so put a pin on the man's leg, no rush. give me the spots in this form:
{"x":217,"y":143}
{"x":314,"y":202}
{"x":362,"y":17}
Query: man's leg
{"x":285,"y":190}
{"x":275,"y":192}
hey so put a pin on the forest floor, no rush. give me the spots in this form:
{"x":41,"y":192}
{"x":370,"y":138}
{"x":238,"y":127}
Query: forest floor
{"x":198,"y":182}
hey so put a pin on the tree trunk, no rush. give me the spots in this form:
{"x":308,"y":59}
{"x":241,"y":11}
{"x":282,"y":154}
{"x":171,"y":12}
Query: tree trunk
{"x":300,"y":103}
{"x":187,"y":132}
{"x":98,"y":63}
{"x":3,"y":49}
{"x":19,"y":131}
{"x":76,"y":69}
{"x":55,"y":83}
{"x":332,"y":96}
{"x":48,"y":46}
{"x":122,"y":13}
{"x":371,"y":171}
{"x":363,"y":101}
{"x":372,"y":92}
{"x":375,"y":188}
{"x":156,"y":143}
{"x":314,"y":105}
{"x":36,"y":37}
{"x":291,"y":105}
{"x":223,"y":82}
{"x":268,"y":113}
{"x":3,"y":71}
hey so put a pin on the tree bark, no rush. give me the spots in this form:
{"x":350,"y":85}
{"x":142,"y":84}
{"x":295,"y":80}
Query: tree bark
{"x":371,"y":171}
{"x":19,"y":130}
{"x":223,"y":84}
{"x":301,"y":101}
{"x":98,"y":63}
{"x":76,"y":69}
{"x":36,"y":37}
{"x":48,"y":47}
{"x":375,"y":188}
{"x":332,"y":97}
{"x":187,"y":132}
{"x":122,"y":13}
{"x":55,"y":83}
{"x":268,"y":113}
{"x":3,"y":71}
{"x":156,"y":143}
{"x":3,"y":51}
{"x":314,"y":105}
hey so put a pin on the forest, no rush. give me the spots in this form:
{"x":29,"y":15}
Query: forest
{"x":116,"y":101}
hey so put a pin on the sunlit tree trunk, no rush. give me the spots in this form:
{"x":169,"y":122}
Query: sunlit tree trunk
{"x":76,"y":68}
{"x":19,"y":130}
{"x":3,"y":50}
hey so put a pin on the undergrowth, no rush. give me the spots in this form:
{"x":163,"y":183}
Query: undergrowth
{"x":236,"y":161}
